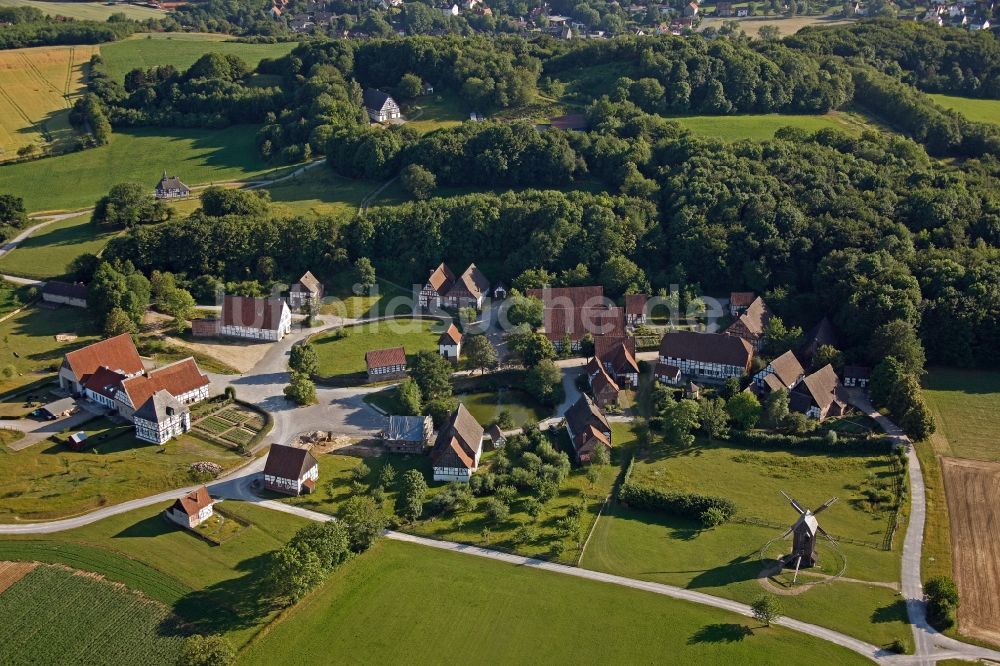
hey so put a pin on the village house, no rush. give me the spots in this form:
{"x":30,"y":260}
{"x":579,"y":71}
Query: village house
{"x":857,"y":376}
{"x":666,"y":373}
{"x":692,"y":391}
{"x":160,"y":418}
{"x":443,"y":289}
{"x":617,"y":355}
{"x":450,"y":10}
{"x":385,"y":364}
{"x":171,"y":187}
{"x":306,"y":293}
{"x":450,"y":343}
{"x":739,"y":301}
{"x":742,"y":12}
{"x":255,"y":318}
{"x":707,"y":356}
{"x":604,"y":388}
{"x":290,"y":470}
{"x":408,"y":434}
{"x":497,"y":438}
{"x":65,"y":293}
{"x":192,"y":509}
{"x":117,"y":354}
{"x":724,"y":9}
{"x":437,"y":285}
{"x":635,"y":309}
{"x":751,"y":324}
{"x":458,"y":446}
{"x":577,"y":312}
{"x":182,"y":379}
{"x":381,"y":106}
{"x":818,"y":395}
{"x":587,"y":428}
{"x":783,"y":372}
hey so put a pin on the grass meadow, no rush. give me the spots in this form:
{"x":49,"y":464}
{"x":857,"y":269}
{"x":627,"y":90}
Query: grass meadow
{"x":88,"y":11}
{"x":12,"y":296}
{"x":763,"y":126}
{"x":319,"y":191}
{"x":77,"y":180}
{"x":965,"y":404}
{"x":49,"y":251}
{"x":980,"y":110}
{"x":342,"y":352}
{"x":29,"y":343}
{"x":439,"y":602}
{"x":426,"y":114}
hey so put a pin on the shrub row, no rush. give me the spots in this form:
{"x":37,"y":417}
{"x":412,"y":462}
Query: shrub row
{"x":706,"y":509}
{"x":777,"y":441}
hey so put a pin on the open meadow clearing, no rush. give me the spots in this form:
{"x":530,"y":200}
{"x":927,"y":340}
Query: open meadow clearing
{"x":55,"y":615}
{"x":762,"y":127}
{"x":30,"y":345}
{"x":981,"y":110}
{"x":972,"y":488}
{"x":510,"y":615}
{"x":49,"y":251}
{"x":786,"y":26}
{"x":37,"y":88}
{"x":965,"y":404}
{"x":342,"y":351}
{"x":319,"y":191}
{"x":76,"y":180}
{"x":88,"y":11}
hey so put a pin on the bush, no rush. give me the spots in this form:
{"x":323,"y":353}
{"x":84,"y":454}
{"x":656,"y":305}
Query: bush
{"x":942,"y":600}
{"x":692,"y":506}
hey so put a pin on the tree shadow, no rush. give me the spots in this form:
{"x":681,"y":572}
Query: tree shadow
{"x":720,"y":633}
{"x":894,"y":612}
{"x":153,"y":526}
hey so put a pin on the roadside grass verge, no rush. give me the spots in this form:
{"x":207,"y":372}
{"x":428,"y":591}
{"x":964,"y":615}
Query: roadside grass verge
{"x":48,"y":253}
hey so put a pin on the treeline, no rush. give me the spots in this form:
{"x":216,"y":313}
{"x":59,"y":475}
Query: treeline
{"x":932,"y":58}
{"x":21,"y":27}
{"x":691,"y":74}
{"x":88,"y":112}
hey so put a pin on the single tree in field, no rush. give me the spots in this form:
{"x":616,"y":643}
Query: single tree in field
{"x":481,"y":353}
{"x":365,"y":521}
{"x":303,"y":358}
{"x":678,"y":420}
{"x":766,"y":609}
{"x":212,"y":650}
{"x":410,"y":502}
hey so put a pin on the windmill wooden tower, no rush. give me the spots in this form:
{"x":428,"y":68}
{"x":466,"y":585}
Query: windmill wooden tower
{"x":804,"y":533}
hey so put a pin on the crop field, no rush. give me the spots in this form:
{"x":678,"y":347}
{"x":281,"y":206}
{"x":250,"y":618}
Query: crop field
{"x":342,"y":353}
{"x":54,"y":615}
{"x":87,"y":11}
{"x":48,"y":480}
{"x":981,"y":110}
{"x":48,"y":253}
{"x":180,"y":50}
{"x":30,"y":346}
{"x":37,"y":87}
{"x":76,"y":180}
{"x":965,"y":404}
{"x":511,"y":615}
{"x":972,"y":488}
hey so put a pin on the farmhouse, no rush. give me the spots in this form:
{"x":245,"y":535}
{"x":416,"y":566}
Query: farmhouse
{"x":170,"y":187}
{"x":604,"y":388}
{"x":458,"y":446}
{"x":307,"y":292}
{"x":183,"y":380}
{"x":290,"y":470}
{"x":577,"y":312}
{"x":617,"y":355}
{"x":381,"y":106}
{"x":818,"y":395}
{"x":635,"y":309}
{"x":438,"y":284}
{"x":751,"y":324}
{"x":587,"y":428}
{"x":192,"y":509}
{"x":64,"y":293}
{"x":739,"y":301}
{"x":255,"y":318}
{"x":117,"y":354}
{"x":385,"y":363}
{"x":408,"y":434}
{"x":443,"y":289}
{"x":161,"y":417}
{"x":709,"y":356}
{"x":783,"y":372}
{"x":450,"y":343}
{"x":857,"y":376}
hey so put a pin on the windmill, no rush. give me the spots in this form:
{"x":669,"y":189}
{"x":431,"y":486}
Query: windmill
{"x":804,"y":533}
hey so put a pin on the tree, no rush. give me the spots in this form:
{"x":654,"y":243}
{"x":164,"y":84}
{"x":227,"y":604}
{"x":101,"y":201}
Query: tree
{"x":410,"y":86}
{"x":766,"y":609}
{"x":544,"y":382}
{"x":387,"y":475}
{"x":776,"y":407}
{"x":118,"y":322}
{"x":714,"y":418}
{"x":12,"y":215}
{"x":745,"y":410}
{"x":828,"y":355}
{"x":899,"y":340}
{"x":600,"y":456}
{"x":778,"y":338}
{"x":218,"y":201}
{"x":918,"y":422}
{"x":365,"y":272}
{"x":127,"y":205}
{"x":365,"y":521}
{"x":798,"y":423}
{"x":678,"y":421}
{"x":533,"y":348}
{"x":418,"y":181}
{"x":886,"y":380}
{"x":408,"y":396}
{"x":303,"y":358}
{"x":212,"y":650}
{"x":497,"y":511}
{"x":432,"y":373}
{"x":410,"y":501}
{"x":769,"y":33}
{"x":178,"y":303}
{"x":942,"y":600}
{"x":480,"y":352}
{"x":301,"y":389}
{"x":524,"y":310}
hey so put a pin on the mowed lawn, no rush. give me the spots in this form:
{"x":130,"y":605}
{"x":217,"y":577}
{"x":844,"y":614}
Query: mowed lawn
{"x":342,"y":352}
{"x":29,"y":343}
{"x":981,"y":110}
{"x":426,"y":114}
{"x":966,"y":405}
{"x":50,"y":250}
{"x":88,"y":11}
{"x":402,"y":602}
{"x":76,"y":180}
{"x":763,"y":126}
{"x":180,"y":50}
{"x":37,"y":88}
{"x":213,"y":588}
{"x":48,"y":480}
{"x":319,"y":191}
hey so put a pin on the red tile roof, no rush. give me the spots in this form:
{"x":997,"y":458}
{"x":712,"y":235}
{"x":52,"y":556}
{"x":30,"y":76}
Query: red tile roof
{"x":176,"y":379}
{"x":753,"y":320}
{"x":707,"y":348}
{"x":105,"y":382}
{"x":619,"y":351}
{"x":193,"y":502}
{"x":260,"y":313}
{"x":578,"y":311}
{"x":385,"y":358}
{"x":117,"y":353}
{"x":441,"y":279}
{"x":741,"y":299}
{"x":635,"y":303}
{"x":450,"y":336}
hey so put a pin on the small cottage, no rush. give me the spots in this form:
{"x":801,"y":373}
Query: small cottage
{"x":450,"y":343}
{"x":752,"y":323}
{"x":497,"y":438}
{"x":385,"y":364}
{"x":739,"y":301}
{"x":635,"y":309}
{"x":408,"y":434}
{"x":818,"y":395}
{"x":307,"y":292}
{"x":160,"y":418}
{"x":783,"y":372}
{"x":458,"y":447}
{"x":290,"y":470}
{"x":192,"y":509}
{"x":587,"y":428}
{"x":64,"y":293}
{"x":171,"y":187}
{"x":252,"y":318}
{"x":381,"y":106}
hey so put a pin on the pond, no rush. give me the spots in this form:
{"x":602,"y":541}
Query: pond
{"x":486,"y":406}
